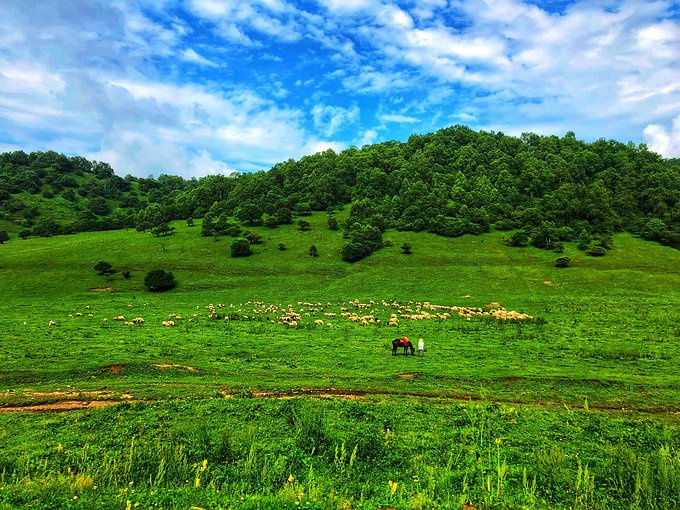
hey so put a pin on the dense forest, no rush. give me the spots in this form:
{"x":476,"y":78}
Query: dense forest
{"x":451,"y":182}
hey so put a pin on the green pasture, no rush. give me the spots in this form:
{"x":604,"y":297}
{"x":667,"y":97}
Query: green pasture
{"x":599,"y":354}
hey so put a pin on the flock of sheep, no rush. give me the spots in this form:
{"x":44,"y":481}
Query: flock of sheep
{"x":320,"y":314}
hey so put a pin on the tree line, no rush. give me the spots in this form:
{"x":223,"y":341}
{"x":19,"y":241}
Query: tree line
{"x":452,"y":182}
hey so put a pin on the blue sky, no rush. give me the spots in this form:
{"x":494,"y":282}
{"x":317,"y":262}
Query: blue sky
{"x":213,"y":86}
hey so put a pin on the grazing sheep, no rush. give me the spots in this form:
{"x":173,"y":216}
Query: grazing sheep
{"x":168,"y":324}
{"x":52,"y":323}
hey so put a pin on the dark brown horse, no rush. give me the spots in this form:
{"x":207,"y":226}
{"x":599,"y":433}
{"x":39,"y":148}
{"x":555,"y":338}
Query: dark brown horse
{"x":397,"y":342}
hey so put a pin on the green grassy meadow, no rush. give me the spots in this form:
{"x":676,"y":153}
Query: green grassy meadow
{"x":579,"y":403}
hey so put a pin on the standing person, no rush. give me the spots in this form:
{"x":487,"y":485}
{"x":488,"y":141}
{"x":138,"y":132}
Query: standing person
{"x":421,"y":347}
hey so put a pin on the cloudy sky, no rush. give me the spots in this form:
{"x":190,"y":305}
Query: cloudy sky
{"x":192,"y":87}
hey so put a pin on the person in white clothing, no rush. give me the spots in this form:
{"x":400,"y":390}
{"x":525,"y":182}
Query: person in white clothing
{"x":421,"y":347}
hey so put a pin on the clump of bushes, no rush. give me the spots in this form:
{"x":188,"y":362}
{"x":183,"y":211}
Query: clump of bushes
{"x":597,"y":251}
{"x":102,"y":267}
{"x":563,"y":262}
{"x":364,"y":240}
{"x":240,"y":247}
{"x":159,"y":280}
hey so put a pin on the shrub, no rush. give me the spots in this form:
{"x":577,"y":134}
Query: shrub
{"x":583,"y":245}
{"x":562,"y":262}
{"x":313,"y":252}
{"x":653,"y":229}
{"x":103,"y":267}
{"x":159,"y":280}
{"x":4,"y":236}
{"x":304,"y":225}
{"x":281,"y":246}
{"x":596,"y":251}
{"x":190,"y":222}
{"x":25,"y":234}
{"x":504,"y":224}
{"x":252,"y":237}
{"x":351,"y":252}
{"x":406,"y":248}
{"x":303,"y":209}
{"x":270,"y":221}
{"x":518,"y":239}
{"x":284,"y":216}
{"x":606,"y":241}
{"x":240,"y":247}
{"x":162,"y":230}
{"x":558,"y":247}
{"x":332,"y":223}
{"x":127,"y":274}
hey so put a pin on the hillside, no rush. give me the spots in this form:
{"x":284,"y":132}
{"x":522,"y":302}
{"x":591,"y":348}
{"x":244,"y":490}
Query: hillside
{"x":451,"y":182}
{"x":233,"y":405}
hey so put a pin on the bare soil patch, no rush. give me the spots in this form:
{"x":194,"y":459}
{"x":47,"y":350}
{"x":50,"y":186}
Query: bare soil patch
{"x":101,"y":289}
{"x":175,"y":366}
{"x":61,"y":406}
{"x":116,"y":368}
{"x":410,"y":375}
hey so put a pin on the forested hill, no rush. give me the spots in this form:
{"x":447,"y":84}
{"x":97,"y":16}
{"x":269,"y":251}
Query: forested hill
{"x":451,"y":182}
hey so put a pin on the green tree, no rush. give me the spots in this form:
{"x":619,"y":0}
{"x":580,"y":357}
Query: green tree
{"x":46,"y":227}
{"x":284,"y":216}
{"x":544,"y":236}
{"x":240,"y":247}
{"x":249,"y":213}
{"x":99,"y":206}
{"x":303,"y":209}
{"x":159,"y":280}
{"x":270,"y":221}
{"x":653,"y":229}
{"x":518,"y":239}
{"x":207,"y":226}
{"x":162,"y":230}
{"x":354,"y":251}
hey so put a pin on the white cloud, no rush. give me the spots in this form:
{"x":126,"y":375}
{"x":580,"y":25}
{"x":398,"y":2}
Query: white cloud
{"x":233,"y":18}
{"x":322,"y":146}
{"x":398,"y":118}
{"x":329,"y":119}
{"x":349,"y":6}
{"x":664,"y":141}
{"x":368,"y":137}
{"x":191,"y":56}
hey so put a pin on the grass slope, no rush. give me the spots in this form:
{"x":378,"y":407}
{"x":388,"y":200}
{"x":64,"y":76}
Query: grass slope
{"x":605,"y":337}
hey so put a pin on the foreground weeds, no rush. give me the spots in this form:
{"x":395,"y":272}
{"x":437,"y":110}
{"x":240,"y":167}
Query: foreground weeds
{"x":298,"y":453}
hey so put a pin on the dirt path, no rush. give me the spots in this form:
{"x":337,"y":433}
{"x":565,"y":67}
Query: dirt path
{"x":58,"y":407}
{"x":62,"y":401}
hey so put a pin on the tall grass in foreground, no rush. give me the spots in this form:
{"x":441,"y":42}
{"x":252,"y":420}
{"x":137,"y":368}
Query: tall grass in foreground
{"x":251,"y":453}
